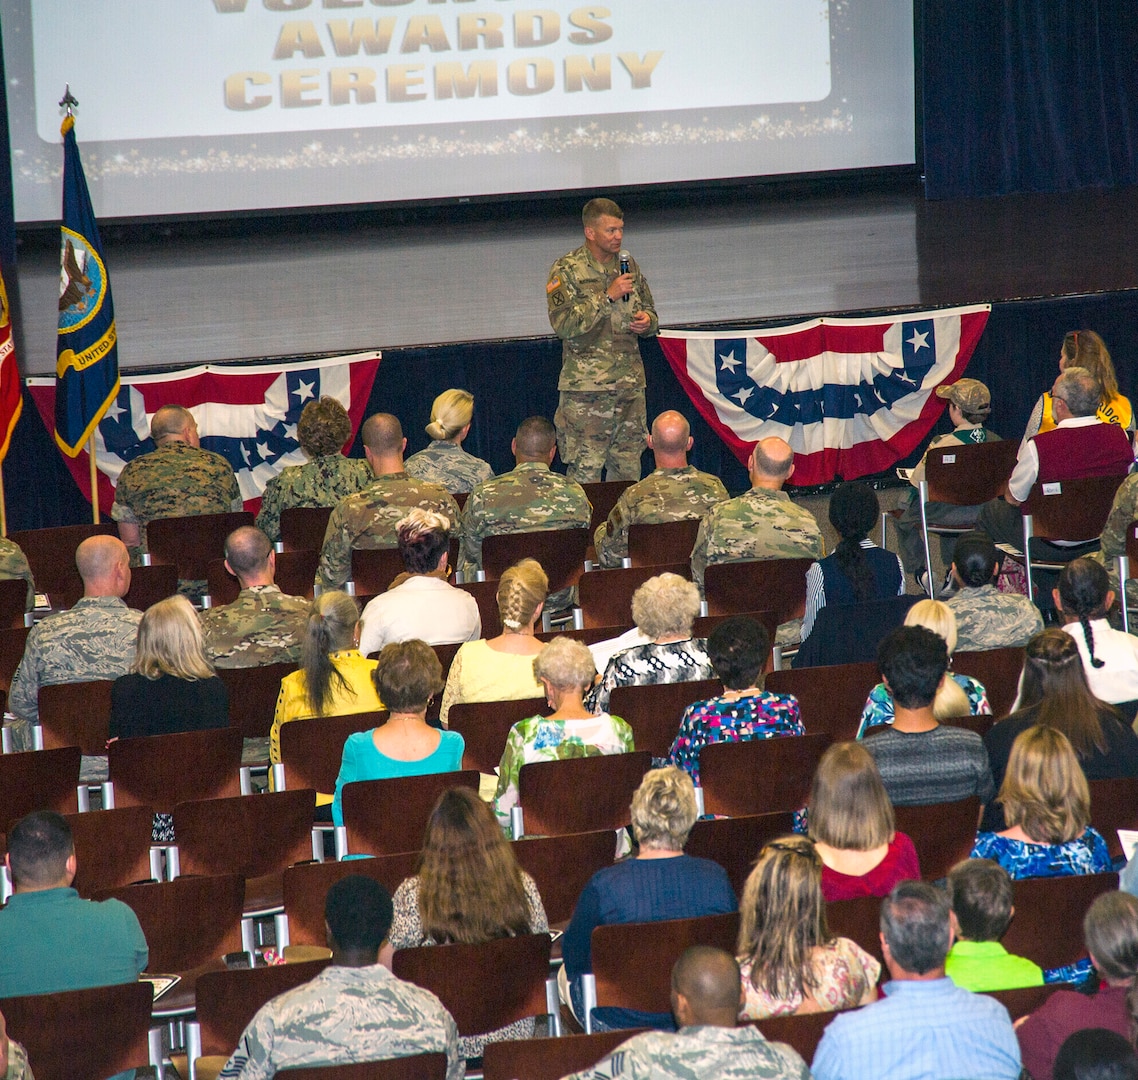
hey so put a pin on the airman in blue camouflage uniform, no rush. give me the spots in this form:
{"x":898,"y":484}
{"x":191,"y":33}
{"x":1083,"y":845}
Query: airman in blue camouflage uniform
{"x":444,"y":461}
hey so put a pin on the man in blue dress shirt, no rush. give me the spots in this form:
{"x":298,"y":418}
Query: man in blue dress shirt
{"x":925,"y":1028}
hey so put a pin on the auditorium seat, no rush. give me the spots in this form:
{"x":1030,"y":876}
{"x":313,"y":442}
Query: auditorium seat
{"x":663,"y":543}
{"x":1048,"y":923}
{"x":38,"y":780}
{"x":51,"y":556}
{"x":412,"y":1067}
{"x":76,"y":714}
{"x":295,"y":574}
{"x":552,"y":797}
{"x":603,"y":496}
{"x":303,"y":527}
{"x":998,"y":670}
{"x":730,"y":588}
{"x":759,"y":776}
{"x":550,"y":1059}
{"x":311,"y":750}
{"x":485,"y":725}
{"x":654,"y":712}
{"x":605,"y":596}
{"x":942,"y":833}
{"x":253,"y":693}
{"x":189,"y":543}
{"x":1114,"y":806}
{"x":860,"y":921}
{"x":113,"y":849}
{"x":735,"y":842}
{"x":561,"y":867}
{"x":13,"y":602}
{"x":830,"y":699}
{"x":802,"y":1033}
{"x":149,"y":584}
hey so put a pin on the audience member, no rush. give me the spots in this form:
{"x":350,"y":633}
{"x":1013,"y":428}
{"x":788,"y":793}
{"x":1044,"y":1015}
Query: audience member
{"x":673,"y":491}
{"x":323,"y":430}
{"x":445,"y":462}
{"x":969,"y":405}
{"x":663,"y":608}
{"x":468,"y":889}
{"x":924,"y":1026}
{"x":920,"y":761}
{"x":93,"y":640}
{"x":14,"y":564}
{"x":334,"y":679}
{"x":1112,"y":543}
{"x":660,"y":882}
{"x":50,"y":939}
{"x":1110,"y":931}
{"x":985,"y":617}
{"x":421,"y":603}
{"x":1096,"y":1054}
{"x":529,"y":498}
{"x":708,"y":1044}
{"x":738,"y":649}
{"x":790,"y":961}
{"x":858,"y":571}
{"x":565,"y":669}
{"x":355,"y":1009}
{"x":407,"y":676}
{"x":761,"y":523}
{"x":1110,"y":657}
{"x":263,"y":625}
{"x":501,"y":668}
{"x":851,"y":824}
{"x":1053,"y":691}
{"x":1047,"y":807}
{"x":370,"y":517}
{"x":13,"y":1057}
{"x":980,"y":892}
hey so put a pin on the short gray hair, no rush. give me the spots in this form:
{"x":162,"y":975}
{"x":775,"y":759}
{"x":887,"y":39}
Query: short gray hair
{"x":664,"y":809}
{"x":1080,"y":390}
{"x":665,"y":604}
{"x":565,"y":664}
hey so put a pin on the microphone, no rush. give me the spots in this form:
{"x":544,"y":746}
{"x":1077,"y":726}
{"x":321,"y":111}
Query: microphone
{"x":624,"y":266}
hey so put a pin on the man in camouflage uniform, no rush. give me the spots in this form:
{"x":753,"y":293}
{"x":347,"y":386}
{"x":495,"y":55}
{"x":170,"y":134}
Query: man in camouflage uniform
{"x":707,"y":993}
{"x":323,"y":428}
{"x":14,"y":564}
{"x":369,"y":519}
{"x":263,"y":625}
{"x":355,"y":1010}
{"x":673,"y":492}
{"x":985,"y":617}
{"x":176,"y":479}
{"x":93,"y":640}
{"x":1123,"y":511}
{"x":760,"y":524}
{"x":600,"y":314}
{"x":529,"y":498}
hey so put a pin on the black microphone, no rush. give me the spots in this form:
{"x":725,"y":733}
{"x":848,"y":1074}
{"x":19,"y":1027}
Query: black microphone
{"x":624,"y":266}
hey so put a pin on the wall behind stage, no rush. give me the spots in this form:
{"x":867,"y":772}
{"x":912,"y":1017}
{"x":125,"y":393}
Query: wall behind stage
{"x":1017,"y":357}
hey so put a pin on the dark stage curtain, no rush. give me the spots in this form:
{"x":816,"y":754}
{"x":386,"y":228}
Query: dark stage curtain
{"x":1023,"y":96}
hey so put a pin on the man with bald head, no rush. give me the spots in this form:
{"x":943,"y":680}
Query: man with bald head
{"x":761,"y":523}
{"x":263,"y":625}
{"x":176,"y":479}
{"x":369,"y":519}
{"x":93,"y":640}
{"x":707,"y":992}
{"x":674,"y":491}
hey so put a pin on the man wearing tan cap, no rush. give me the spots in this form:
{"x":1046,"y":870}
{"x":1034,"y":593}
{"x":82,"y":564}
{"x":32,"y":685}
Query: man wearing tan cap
{"x":969,"y":403}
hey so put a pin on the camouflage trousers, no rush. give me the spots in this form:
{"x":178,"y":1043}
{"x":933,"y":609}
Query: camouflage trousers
{"x":601,"y":430}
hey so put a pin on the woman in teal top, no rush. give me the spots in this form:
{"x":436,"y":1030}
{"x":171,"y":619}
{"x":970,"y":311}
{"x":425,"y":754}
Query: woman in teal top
{"x":407,"y":675}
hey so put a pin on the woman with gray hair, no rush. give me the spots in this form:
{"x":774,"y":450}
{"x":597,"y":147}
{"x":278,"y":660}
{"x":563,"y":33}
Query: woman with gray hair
{"x":663,"y":608}
{"x":661,"y":882}
{"x":565,"y":670}
{"x":444,"y":461}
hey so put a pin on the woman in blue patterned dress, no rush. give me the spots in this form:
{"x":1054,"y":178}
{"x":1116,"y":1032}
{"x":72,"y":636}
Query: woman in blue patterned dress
{"x":1047,"y":806}
{"x":959,"y":695}
{"x":738,"y":648}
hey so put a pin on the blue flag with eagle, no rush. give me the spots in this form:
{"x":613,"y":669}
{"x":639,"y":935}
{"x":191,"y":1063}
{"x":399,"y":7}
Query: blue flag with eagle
{"x":87,"y":362}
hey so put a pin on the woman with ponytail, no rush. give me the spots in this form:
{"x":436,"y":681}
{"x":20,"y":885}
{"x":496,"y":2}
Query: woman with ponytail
{"x":1110,"y":932}
{"x":1110,"y":657}
{"x":444,"y":461}
{"x":1053,"y":691}
{"x":858,"y":571}
{"x":334,"y":678}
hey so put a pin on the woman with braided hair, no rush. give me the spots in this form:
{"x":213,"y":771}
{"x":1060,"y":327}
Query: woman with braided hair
{"x":1054,"y":692}
{"x":1110,"y":657}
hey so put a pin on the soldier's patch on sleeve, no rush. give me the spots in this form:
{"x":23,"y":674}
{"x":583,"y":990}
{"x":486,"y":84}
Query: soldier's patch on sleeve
{"x":554,"y":283}
{"x":558,"y":298}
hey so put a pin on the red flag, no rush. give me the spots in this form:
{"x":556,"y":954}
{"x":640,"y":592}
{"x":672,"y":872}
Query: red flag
{"x":11,"y":402}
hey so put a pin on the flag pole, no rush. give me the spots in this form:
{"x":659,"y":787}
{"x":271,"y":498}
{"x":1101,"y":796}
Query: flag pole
{"x":94,"y":480}
{"x":3,"y":508}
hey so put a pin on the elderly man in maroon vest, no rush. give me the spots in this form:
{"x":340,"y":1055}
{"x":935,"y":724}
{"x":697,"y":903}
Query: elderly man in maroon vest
{"x":1081,"y":445}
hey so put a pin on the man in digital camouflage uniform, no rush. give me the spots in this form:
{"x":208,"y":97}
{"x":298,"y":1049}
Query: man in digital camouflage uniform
{"x":14,"y":564}
{"x":985,"y":617}
{"x":600,"y":314}
{"x":529,"y":498}
{"x":355,"y":1010}
{"x":369,"y":519}
{"x":674,"y":491}
{"x":707,"y":993}
{"x":263,"y":625}
{"x":761,"y":523}
{"x":176,"y":479}
{"x":326,"y":478}
{"x":1123,"y":511}
{"x":93,"y":640}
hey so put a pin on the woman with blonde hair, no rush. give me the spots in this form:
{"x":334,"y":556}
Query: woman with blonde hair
{"x":851,"y":823}
{"x":660,"y":882}
{"x":334,"y":678}
{"x":501,"y":668}
{"x":789,"y":960}
{"x":565,"y":670}
{"x":1047,"y":807}
{"x":1085,"y":349}
{"x":959,"y":695}
{"x":444,"y":461}
{"x":467,"y":888}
